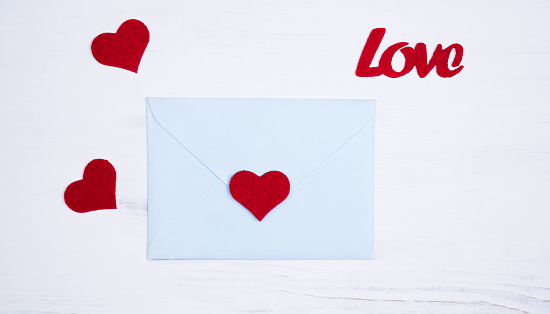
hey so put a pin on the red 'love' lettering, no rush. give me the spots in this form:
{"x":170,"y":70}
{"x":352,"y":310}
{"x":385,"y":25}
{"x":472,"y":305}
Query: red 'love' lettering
{"x":414,"y":57}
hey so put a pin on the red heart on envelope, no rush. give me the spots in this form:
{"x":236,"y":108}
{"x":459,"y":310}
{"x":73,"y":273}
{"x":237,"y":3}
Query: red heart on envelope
{"x":259,"y":194}
{"x":124,"y":48}
{"x":95,"y":191}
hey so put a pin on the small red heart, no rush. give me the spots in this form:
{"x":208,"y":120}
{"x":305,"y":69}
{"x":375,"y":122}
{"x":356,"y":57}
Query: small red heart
{"x":95,"y":191}
{"x":259,"y":194}
{"x":123,"y":49}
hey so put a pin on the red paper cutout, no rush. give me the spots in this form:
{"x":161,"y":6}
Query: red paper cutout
{"x":95,"y":191}
{"x":413,"y":57}
{"x":124,"y":48}
{"x":259,"y":194}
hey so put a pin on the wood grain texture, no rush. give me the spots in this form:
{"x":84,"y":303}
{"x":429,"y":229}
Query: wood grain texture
{"x":462,"y":165}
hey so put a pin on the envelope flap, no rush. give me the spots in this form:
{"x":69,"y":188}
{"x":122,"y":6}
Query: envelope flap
{"x":293,"y":136}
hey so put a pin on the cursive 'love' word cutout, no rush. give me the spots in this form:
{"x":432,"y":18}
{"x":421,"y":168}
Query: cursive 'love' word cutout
{"x":414,"y":57}
{"x":259,"y":194}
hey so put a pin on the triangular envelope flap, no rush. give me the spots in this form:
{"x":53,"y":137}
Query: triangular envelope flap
{"x":293,"y":136}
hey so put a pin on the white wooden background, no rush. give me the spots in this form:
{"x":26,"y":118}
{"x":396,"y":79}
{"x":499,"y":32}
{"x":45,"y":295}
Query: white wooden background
{"x":462,"y":164}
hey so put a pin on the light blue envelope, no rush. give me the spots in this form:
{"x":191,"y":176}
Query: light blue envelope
{"x":324,"y":147}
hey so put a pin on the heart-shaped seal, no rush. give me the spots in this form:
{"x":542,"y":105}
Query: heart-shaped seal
{"x":259,"y":194}
{"x":95,"y":191}
{"x":124,"y":48}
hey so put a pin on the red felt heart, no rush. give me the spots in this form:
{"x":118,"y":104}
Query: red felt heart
{"x":123,"y":49}
{"x":259,"y":194}
{"x":95,"y":191}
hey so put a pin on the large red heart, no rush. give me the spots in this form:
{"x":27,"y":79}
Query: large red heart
{"x":259,"y":194}
{"x":123,"y":49}
{"x":95,"y":191}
